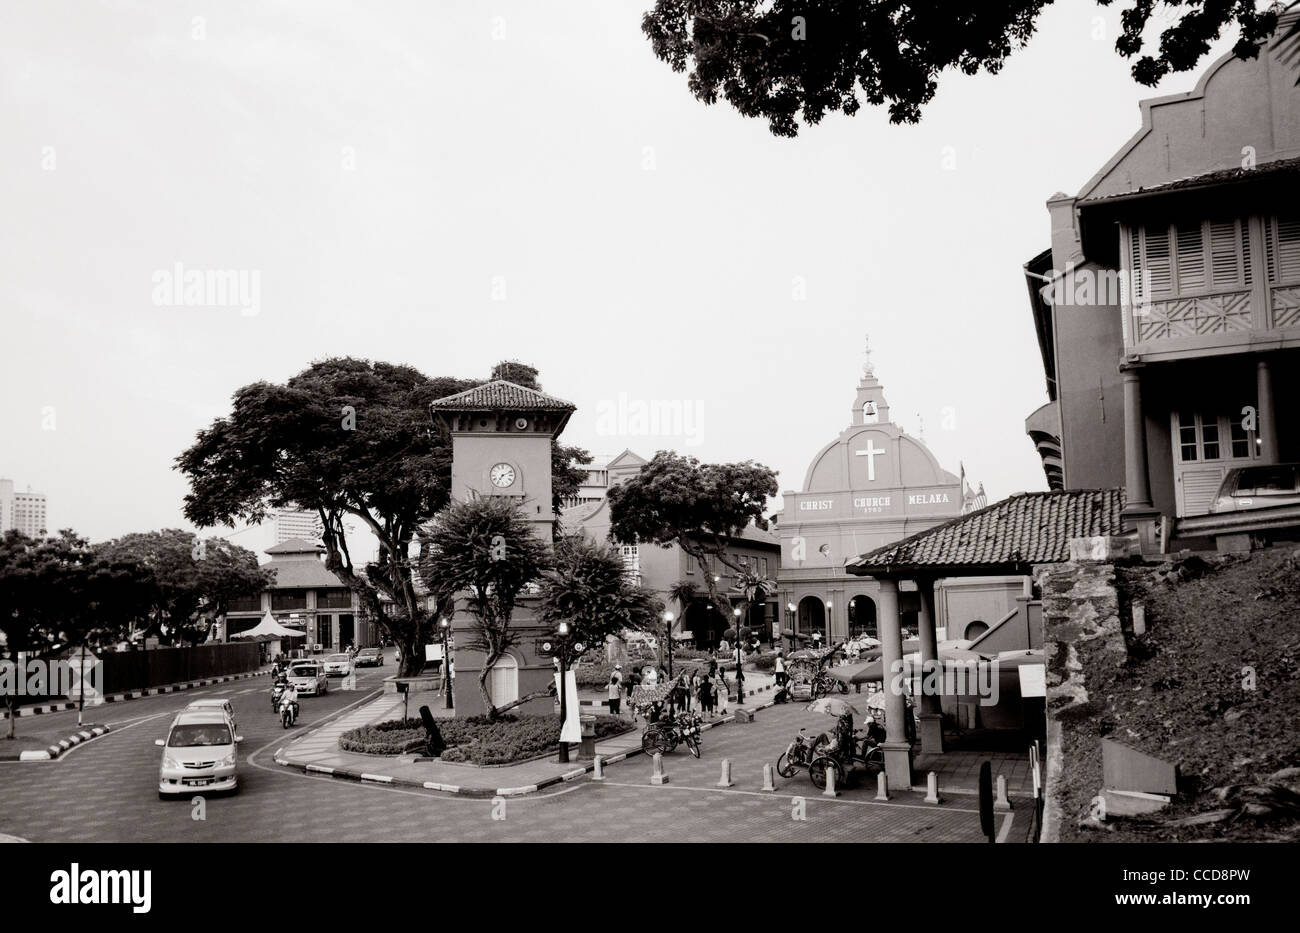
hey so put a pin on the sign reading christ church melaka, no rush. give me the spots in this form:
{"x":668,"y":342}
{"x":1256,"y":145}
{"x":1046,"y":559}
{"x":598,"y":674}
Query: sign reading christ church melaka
{"x":893,"y":504}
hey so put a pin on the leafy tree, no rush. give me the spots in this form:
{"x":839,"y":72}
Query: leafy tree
{"x":344,"y":437}
{"x":702,"y":508}
{"x":190,"y":579}
{"x":486,"y":549}
{"x":57,"y":593}
{"x":588,"y":587}
{"x":783,"y":59}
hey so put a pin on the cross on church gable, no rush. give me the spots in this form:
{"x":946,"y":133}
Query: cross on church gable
{"x":871,"y":453}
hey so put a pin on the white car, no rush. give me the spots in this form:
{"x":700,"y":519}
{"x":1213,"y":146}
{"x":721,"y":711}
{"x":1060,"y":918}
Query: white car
{"x":217,"y":703}
{"x":199,"y":753}
{"x":308,"y":677}
{"x":338,"y":665}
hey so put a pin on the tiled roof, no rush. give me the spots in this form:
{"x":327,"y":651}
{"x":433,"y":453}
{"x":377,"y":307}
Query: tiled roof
{"x":301,"y":574}
{"x":501,"y":394}
{"x":296,"y":546}
{"x":1028,"y":528}
{"x":1207,"y":179}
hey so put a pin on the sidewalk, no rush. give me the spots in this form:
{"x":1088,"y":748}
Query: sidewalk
{"x":318,"y":752}
{"x":83,"y":734}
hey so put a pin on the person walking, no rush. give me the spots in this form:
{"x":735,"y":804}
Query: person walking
{"x":615,"y":693}
{"x":704,"y":691}
{"x":723,"y":692}
{"x":781,"y":677}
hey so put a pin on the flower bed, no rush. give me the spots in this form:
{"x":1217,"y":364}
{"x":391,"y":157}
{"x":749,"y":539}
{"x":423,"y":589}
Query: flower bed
{"x":473,"y":739}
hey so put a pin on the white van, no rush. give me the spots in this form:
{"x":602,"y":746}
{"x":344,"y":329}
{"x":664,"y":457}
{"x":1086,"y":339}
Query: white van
{"x":199,"y":754}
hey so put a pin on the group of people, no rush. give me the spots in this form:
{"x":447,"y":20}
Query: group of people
{"x":704,"y":690}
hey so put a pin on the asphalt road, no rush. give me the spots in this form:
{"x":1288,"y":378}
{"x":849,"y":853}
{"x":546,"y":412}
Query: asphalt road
{"x":106,"y":791}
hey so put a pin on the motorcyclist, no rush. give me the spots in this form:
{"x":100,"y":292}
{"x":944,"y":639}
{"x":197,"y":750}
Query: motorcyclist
{"x":290,"y":696}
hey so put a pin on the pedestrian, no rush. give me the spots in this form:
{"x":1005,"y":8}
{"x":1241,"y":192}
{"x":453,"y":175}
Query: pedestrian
{"x":615,"y":693}
{"x":704,"y":691}
{"x":781,"y":677}
{"x":650,"y":677}
{"x":724,"y":693}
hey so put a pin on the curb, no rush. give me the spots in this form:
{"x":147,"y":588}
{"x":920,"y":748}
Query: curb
{"x":748,"y":693}
{"x":569,"y":776}
{"x":54,"y":751}
{"x":131,"y":695}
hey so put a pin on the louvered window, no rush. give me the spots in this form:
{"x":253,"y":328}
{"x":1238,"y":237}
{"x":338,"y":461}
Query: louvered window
{"x":1282,"y":250}
{"x":1190,"y":258}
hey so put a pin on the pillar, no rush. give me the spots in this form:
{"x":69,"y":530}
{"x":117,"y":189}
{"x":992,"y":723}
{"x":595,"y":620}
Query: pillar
{"x":1266,"y":412}
{"x":931,"y":710}
{"x":1137,"y":480}
{"x":896,"y":749}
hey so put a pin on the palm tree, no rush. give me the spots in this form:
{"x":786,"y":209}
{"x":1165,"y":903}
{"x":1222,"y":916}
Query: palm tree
{"x":752,"y":586}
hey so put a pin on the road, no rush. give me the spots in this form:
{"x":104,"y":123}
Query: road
{"x":105,"y":790}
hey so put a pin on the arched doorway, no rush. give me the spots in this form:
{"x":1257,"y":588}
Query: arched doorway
{"x":503,"y":681}
{"x":862,"y":617}
{"x":811,"y":618}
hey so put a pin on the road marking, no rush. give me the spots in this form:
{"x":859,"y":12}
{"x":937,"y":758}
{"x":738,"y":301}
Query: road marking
{"x":768,"y":795}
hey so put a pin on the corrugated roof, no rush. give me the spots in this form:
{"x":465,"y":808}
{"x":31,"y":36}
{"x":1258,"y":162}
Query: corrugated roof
{"x":501,"y":394}
{"x":301,"y":574}
{"x":296,"y":546}
{"x":1206,"y":179}
{"x":1028,"y":528}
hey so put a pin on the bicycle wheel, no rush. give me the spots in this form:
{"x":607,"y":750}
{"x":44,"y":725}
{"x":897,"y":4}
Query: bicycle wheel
{"x":694,"y":745}
{"x":784,"y":766}
{"x":817,"y":772}
{"x":654,"y":740}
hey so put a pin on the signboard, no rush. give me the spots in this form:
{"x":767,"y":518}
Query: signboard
{"x":1033,"y":680}
{"x":433,"y":652}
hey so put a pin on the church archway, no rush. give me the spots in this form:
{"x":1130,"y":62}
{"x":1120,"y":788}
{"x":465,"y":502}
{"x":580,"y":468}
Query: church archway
{"x":811,"y":618}
{"x":862,"y":617}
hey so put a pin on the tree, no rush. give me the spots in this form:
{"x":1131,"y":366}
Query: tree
{"x":784,"y":59}
{"x":588,"y":587}
{"x":486,"y":549}
{"x":702,"y":508}
{"x":190,"y":580}
{"x":753,"y":587}
{"x":58,"y":592}
{"x":344,"y":437}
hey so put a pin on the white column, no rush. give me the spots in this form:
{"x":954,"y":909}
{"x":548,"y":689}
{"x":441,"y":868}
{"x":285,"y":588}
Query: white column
{"x":897,"y":750}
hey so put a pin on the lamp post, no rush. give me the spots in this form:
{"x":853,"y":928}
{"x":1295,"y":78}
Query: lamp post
{"x":561,"y":660}
{"x":668,"y":640}
{"x":446,"y":663}
{"x":791,"y":608}
{"x":740,"y":674}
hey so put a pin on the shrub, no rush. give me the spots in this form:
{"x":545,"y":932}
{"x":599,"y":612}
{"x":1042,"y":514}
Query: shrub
{"x":690,"y":654}
{"x":474,"y":739}
{"x":593,"y":674}
{"x":765,"y":661}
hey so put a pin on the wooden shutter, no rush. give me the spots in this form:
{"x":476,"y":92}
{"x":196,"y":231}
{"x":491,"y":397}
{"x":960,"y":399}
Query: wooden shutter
{"x":1282,"y":250}
{"x":1155,"y":243}
{"x":1191,"y":257}
{"x":1225,"y":260}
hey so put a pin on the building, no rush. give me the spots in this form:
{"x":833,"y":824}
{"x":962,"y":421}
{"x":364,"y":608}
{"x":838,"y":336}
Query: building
{"x":659,"y":568}
{"x":501,"y":437}
{"x":305,"y":596}
{"x":22,"y":511}
{"x":870,"y":486}
{"x":1167,"y":305}
{"x":296,"y":523}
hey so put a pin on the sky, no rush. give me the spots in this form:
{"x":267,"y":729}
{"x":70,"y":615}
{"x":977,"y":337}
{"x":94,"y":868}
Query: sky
{"x":451,"y":184}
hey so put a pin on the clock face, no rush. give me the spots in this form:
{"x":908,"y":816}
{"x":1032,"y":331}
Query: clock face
{"x":502,"y":475}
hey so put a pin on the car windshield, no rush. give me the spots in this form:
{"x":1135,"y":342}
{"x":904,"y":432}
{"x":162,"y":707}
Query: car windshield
{"x":303,"y":672}
{"x":196,"y":734}
{"x":1263,"y":481}
{"x":337,"y":657}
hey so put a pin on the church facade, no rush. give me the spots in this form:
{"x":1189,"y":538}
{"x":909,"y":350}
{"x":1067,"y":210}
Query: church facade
{"x":871,"y":486}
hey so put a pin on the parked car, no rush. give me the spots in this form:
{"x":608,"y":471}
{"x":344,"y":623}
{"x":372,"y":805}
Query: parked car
{"x":199,"y":752}
{"x":1258,"y":487}
{"x":338,"y":665}
{"x":217,"y":703}
{"x":309,"y":678}
{"x":369,"y":657}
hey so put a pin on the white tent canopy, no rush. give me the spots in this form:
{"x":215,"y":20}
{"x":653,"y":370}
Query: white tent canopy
{"x":268,"y":626}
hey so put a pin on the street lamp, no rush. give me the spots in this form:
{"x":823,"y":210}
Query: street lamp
{"x":668,"y":640}
{"x":446,"y":663}
{"x":740,"y":674}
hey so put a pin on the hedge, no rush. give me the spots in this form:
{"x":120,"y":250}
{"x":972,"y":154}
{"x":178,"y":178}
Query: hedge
{"x":474,"y":739}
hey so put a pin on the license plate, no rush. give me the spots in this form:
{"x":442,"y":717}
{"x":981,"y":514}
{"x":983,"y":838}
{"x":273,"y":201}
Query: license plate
{"x":198,"y":782}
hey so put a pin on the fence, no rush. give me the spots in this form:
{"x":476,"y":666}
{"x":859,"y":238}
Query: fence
{"x":137,"y":670}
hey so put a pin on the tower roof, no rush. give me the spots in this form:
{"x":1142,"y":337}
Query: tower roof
{"x":492,"y":396}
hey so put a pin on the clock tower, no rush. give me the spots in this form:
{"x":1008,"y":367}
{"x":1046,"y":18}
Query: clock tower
{"x":501,"y":437}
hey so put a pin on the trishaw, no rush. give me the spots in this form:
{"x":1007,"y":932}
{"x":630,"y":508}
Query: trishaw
{"x":847,"y":749}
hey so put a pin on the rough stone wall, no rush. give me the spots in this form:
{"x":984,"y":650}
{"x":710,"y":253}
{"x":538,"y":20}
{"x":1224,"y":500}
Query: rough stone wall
{"x":1081,"y":608}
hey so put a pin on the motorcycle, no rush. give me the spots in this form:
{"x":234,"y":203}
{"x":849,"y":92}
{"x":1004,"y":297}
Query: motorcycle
{"x":277,"y":690}
{"x":799,"y":753}
{"x":288,"y":713}
{"x":665,"y":735}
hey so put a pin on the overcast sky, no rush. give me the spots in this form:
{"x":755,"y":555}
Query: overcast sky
{"x":450,"y":184}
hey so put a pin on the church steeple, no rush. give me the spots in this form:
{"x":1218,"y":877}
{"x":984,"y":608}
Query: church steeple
{"x":869,"y":406}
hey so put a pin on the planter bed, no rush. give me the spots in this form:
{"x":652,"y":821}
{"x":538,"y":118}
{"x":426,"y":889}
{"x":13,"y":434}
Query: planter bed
{"x":473,"y":740}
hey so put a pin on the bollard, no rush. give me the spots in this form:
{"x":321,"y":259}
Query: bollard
{"x":724,"y":779}
{"x":1002,"y":802}
{"x":882,"y":786}
{"x":658,"y":776}
{"x":932,"y":788}
{"x":598,"y":769}
{"x":830,"y":790}
{"x":768,"y":782}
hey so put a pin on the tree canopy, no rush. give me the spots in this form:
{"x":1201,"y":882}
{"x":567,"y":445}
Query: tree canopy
{"x":782,"y":60}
